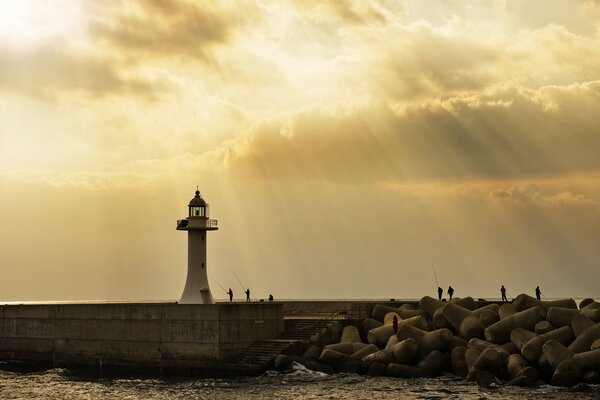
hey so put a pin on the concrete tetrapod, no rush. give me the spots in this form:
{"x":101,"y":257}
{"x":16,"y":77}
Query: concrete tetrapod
{"x":543,"y":327}
{"x":482,"y":345}
{"x":466,"y":302}
{"x":439,"y":339}
{"x":380,"y":336}
{"x":405,"y":314}
{"x":350,"y":334}
{"x":595,"y":344}
{"x":500,"y":331}
{"x":584,"y":341}
{"x":556,"y":353}
{"x":334,"y":358}
{"x":463,"y":321}
{"x":471,"y":355}
{"x":376,"y":369}
{"x":405,"y":351}
{"x":589,"y":359}
{"x":379,"y":311}
{"x":418,"y":322}
{"x":391,"y":341}
{"x":346,"y":348}
{"x":523,"y":302}
{"x":457,"y":341}
{"x":405,"y":332}
{"x":433,"y":364}
{"x":365,"y":351}
{"x":585,"y":302}
{"x":581,"y":323}
{"x":438,"y":321}
{"x":459,"y":365}
{"x":429,"y":305}
{"x":381,"y":356}
{"x":591,"y":376}
{"x":506,"y":310}
{"x":533,"y":348}
{"x":488,"y":314}
{"x":518,"y":366}
{"x":594,"y":305}
{"x":521,"y":336}
{"x":402,"y":371}
{"x":560,"y":316}
{"x":370,"y":323}
{"x":312,"y":353}
{"x":567,"y":373}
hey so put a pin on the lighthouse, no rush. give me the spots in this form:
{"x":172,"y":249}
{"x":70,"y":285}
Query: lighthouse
{"x":197,"y":224}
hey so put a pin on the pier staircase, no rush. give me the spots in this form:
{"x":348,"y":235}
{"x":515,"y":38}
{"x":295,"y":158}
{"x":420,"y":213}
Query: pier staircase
{"x":298,"y":333}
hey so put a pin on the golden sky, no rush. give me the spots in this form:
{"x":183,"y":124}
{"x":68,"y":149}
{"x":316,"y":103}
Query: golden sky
{"x":344,"y":146}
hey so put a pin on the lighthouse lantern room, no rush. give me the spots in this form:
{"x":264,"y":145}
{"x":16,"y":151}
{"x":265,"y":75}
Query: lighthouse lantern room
{"x":197,"y":224}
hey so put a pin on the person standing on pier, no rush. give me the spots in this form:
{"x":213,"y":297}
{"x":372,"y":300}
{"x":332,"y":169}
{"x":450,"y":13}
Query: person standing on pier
{"x":248,"y":294}
{"x":440,"y":293}
{"x":271,"y":298}
{"x":503,"y":291}
{"x":230,"y":293}
{"x":450,"y":292}
{"x":538,"y":293}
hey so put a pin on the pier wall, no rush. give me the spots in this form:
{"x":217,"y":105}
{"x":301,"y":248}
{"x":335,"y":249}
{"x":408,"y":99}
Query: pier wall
{"x":135,"y":334}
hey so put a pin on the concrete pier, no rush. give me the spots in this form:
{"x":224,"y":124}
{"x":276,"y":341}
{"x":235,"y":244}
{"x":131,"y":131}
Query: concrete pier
{"x":181,"y":337}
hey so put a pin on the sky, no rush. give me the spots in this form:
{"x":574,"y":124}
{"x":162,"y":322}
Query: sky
{"x":345,"y":147}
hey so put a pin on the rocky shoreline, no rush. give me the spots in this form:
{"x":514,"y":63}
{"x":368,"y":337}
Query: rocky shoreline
{"x":525,"y":343}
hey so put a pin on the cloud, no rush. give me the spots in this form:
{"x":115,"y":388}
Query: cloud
{"x":51,"y":69}
{"x":505,"y":132}
{"x":145,"y":30}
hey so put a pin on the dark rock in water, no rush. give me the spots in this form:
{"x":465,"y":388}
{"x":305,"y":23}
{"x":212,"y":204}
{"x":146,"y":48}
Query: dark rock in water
{"x":376,"y":369}
{"x":487,"y":379}
{"x":579,"y":388}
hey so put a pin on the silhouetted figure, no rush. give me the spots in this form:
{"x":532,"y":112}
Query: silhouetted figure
{"x":503,"y":291}
{"x":450,"y":292}
{"x":248,"y":294}
{"x":230,"y":293}
{"x":271,"y":297}
{"x":538,"y":293}
{"x":395,"y":323}
{"x":440,"y":293}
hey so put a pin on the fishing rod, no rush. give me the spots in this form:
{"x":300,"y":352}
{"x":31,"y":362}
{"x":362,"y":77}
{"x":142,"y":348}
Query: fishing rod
{"x":238,"y":279}
{"x":215,"y":281}
{"x":434,"y":274}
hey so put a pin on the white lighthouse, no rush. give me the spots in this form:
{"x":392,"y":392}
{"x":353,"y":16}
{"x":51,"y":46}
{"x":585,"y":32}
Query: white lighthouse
{"x":197,"y":224}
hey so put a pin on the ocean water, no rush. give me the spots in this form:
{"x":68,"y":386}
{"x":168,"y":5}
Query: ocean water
{"x":300,"y":383}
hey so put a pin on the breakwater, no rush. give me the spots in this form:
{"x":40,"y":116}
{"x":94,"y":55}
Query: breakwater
{"x":157,"y":337}
{"x":524,"y":343}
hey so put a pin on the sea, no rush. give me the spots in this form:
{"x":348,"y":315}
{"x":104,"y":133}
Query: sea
{"x":298,"y":383}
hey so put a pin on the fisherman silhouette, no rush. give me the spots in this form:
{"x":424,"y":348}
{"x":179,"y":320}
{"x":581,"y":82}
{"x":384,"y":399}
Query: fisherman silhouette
{"x":248,"y":294}
{"x":230,"y":293}
{"x":270,"y":297}
{"x":440,"y":293}
{"x":503,"y":291}
{"x":395,"y":323}
{"x":538,"y":293}
{"x":450,"y":292}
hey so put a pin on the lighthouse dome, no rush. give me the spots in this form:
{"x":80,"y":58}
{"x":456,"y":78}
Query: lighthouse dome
{"x":197,"y":201}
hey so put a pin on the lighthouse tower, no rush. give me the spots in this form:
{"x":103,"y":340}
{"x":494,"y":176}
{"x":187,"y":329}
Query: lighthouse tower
{"x":197,"y":224}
